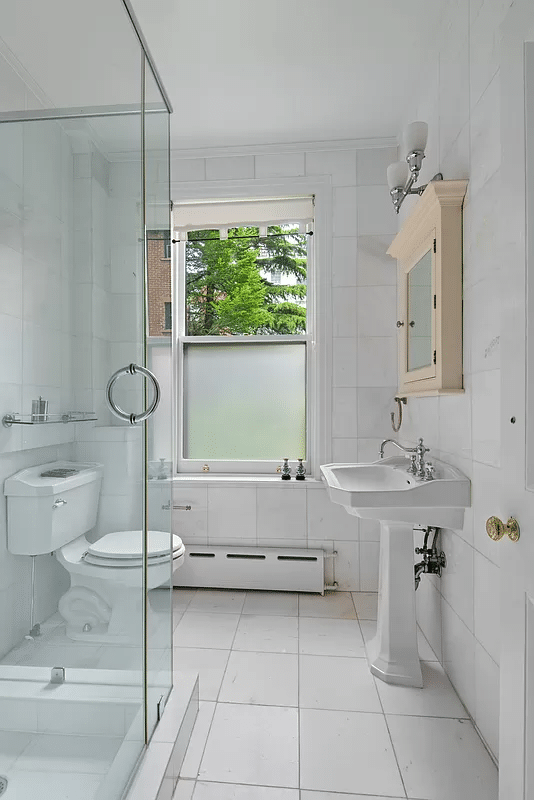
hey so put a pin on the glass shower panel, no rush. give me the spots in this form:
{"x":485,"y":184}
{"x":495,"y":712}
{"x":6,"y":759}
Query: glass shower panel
{"x":71,"y":254}
{"x":158,"y":328}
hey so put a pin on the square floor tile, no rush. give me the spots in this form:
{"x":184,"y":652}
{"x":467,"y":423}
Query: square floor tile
{"x":337,"y":796}
{"x":269,"y":679}
{"x":344,"y":751}
{"x":181,"y":597}
{"x":217,"y":601}
{"x":337,"y":605}
{"x":442,"y":759}
{"x":197,"y":742}
{"x":267,"y":634}
{"x":338,"y":683}
{"x":184,"y":790}
{"x":232,"y":791}
{"x":252,"y":744}
{"x":330,"y":637}
{"x":366,"y":604}
{"x":210,"y":665}
{"x":280,"y":604}
{"x":437,"y":698}
{"x":196,"y":629}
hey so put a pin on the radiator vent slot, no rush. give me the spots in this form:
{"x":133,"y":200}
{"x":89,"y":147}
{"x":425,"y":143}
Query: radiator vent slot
{"x":297,"y":558}
{"x":201,"y":555}
{"x":251,"y":556}
{"x":285,"y":569}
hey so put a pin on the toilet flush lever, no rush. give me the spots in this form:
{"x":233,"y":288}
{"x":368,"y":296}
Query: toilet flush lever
{"x":59,"y":502}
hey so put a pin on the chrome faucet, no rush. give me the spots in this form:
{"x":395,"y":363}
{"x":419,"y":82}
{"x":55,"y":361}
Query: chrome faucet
{"x":417,"y":456}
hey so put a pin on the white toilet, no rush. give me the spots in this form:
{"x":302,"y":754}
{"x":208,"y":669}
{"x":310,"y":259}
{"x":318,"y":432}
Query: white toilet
{"x":50,"y":508}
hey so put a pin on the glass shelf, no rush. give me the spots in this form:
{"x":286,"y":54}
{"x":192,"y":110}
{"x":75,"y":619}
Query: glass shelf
{"x":32,"y":419}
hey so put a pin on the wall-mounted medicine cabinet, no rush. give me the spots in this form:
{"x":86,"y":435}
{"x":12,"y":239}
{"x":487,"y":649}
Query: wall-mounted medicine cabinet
{"x":429,"y":253}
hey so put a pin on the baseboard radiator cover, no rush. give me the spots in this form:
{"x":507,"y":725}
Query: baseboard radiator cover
{"x":282,"y":569}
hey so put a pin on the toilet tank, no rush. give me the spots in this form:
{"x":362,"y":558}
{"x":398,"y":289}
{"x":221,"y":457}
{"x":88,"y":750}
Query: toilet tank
{"x":45,"y":511}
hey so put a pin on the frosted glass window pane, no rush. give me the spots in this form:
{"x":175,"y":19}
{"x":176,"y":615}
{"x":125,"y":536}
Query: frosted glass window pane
{"x":245,"y":401}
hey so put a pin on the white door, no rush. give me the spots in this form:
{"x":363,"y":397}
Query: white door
{"x":516,"y":745}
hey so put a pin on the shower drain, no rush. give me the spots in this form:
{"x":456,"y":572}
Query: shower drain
{"x":3,"y":784}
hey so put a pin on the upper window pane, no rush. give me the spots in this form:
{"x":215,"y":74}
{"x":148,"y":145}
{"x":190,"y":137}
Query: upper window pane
{"x":229,"y":282}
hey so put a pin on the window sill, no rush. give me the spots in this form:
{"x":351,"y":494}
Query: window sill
{"x":266,"y":481}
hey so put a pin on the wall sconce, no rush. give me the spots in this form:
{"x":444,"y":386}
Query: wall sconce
{"x":403,"y":174}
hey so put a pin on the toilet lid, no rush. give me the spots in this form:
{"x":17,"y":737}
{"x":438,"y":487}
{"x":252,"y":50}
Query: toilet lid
{"x":125,"y":548}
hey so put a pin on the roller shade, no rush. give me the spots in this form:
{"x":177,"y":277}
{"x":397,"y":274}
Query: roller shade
{"x":231,"y":214}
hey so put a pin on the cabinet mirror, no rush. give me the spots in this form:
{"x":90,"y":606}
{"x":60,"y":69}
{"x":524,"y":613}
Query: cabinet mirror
{"x":420,"y":306}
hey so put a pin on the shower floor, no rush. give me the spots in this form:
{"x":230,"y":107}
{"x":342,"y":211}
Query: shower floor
{"x":71,"y":741}
{"x":54,"y":766}
{"x":78,"y":740}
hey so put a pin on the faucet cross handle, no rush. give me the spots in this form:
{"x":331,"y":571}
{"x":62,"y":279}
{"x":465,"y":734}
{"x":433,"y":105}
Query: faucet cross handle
{"x":412,"y":469}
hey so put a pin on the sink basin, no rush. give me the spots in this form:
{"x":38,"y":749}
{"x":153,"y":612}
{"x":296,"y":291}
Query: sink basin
{"x":385,"y":490}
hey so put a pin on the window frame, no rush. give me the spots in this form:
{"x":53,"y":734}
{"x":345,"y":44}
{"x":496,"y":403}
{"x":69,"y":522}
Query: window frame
{"x":320,"y":383}
{"x":241,"y":467}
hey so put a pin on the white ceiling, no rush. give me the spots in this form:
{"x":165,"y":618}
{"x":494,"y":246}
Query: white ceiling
{"x":244,"y":72}
{"x":238,"y":72}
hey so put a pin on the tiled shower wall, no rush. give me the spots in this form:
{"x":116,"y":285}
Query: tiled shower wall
{"x":36,"y":333}
{"x":460,"y":100}
{"x":364,"y":363}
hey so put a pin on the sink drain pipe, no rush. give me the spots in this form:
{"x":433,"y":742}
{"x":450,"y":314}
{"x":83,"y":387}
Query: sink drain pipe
{"x":434,"y":560}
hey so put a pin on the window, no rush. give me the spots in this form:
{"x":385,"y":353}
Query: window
{"x":167,"y":249}
{"x":168,"y":316}
{"x":244,"y":355}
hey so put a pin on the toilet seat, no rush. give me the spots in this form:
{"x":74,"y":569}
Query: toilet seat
{"x":125,"y":549}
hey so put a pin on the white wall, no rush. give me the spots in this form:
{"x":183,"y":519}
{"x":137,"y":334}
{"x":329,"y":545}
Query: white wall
{"x":363,"y":347}
{"x":459,"y":99}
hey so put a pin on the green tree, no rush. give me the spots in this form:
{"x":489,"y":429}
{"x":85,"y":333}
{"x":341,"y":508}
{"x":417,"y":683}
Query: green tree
{"x":226,"y":292}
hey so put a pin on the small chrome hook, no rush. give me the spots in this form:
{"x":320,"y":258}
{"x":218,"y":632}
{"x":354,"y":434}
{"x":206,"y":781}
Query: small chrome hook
{"x":396,"y":426}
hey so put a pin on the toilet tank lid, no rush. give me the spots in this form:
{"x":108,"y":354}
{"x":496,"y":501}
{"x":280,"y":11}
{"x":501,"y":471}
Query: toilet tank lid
{"x":30,"y":482}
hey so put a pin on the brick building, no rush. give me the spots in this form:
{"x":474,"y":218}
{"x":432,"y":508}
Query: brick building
{"x":159,"y":284}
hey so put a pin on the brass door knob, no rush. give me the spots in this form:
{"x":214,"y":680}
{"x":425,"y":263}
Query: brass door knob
{"x":495,"y":528}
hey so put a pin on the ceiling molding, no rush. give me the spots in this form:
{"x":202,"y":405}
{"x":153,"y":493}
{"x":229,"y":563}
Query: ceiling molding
{"x":288,"y":147}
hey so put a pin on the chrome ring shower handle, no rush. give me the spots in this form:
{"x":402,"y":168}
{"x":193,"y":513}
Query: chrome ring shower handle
{"x":133,"y":419}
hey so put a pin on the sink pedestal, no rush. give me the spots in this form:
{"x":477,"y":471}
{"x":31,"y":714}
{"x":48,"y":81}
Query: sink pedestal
{"x":393,"y":653}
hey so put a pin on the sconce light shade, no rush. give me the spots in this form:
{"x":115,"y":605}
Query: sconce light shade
{"x":398,"y":174}
{"x":415,"y":137}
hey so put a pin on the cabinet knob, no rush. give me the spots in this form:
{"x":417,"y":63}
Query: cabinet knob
{"x":495,"y":528}
{"x":399,"y":323}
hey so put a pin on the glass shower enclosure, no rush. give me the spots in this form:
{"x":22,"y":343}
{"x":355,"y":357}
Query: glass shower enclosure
{"x":84,"y":188}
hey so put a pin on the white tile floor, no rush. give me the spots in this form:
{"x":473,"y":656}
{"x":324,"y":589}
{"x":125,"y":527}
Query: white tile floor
{"x":290,"y":711}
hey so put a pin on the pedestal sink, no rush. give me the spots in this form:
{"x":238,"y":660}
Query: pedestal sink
{"x":386,"y":491}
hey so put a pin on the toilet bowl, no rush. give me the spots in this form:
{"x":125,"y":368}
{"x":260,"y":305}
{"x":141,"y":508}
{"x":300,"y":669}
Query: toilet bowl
{"x":105,"y":599}
{"x":51,"y":508}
